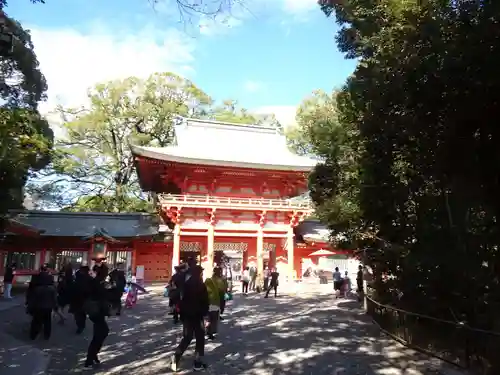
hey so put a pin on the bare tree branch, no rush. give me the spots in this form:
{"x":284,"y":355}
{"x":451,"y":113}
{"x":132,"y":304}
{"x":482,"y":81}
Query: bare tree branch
{"x":204,"y":9}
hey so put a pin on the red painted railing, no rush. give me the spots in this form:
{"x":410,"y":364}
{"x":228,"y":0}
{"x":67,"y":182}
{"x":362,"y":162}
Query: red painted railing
{"x":229,"y":202}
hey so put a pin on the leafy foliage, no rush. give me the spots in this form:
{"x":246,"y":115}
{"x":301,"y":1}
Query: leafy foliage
{"x":99,"y":203}
{"x":334,"y":181}
{"x":93,"y":168}
{"x":230,"y":112}
{"x":94,"y":160}
{"x":422,"y":102}
{"x":25,"y":138}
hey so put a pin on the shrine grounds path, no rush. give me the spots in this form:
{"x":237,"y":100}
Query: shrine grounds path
{"x":306,"y":334}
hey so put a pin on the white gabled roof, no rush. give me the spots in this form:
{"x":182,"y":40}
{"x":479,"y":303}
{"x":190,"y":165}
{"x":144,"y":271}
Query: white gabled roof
{"x":204,"y":142}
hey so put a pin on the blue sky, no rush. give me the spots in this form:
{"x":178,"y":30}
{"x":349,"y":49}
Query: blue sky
{"x":268,"y":57}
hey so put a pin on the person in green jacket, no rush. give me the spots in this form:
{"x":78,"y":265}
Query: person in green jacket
{"x":215,"y":287}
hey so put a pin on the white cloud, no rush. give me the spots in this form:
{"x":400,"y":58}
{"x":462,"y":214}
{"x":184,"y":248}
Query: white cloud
{"x":285,"y":114}
{"x":299,"y":7}
{"x":73,"y":61}
{"x":253,"y":86}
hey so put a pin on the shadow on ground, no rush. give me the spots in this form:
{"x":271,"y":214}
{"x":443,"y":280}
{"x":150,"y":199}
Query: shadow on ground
{"x":286,"y":335}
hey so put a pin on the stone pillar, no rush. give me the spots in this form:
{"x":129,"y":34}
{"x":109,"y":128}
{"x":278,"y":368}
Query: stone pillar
{"x":176,"y":254}
{"x":290,"y":253}
{"x":260,"y":257}
{"x":210,"y":252}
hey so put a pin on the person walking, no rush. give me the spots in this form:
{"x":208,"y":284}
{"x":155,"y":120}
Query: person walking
{"x":245,"y":280}
{"x":194,"y":306}
{"x":119,"y":281}
{"x":253,"y":279}
{"x":80,"y":294}
{"x":65,"y":282}
{"x":175,"y":289}
{"x":216,"y":290}
{"x":267,"y":274}
{"x":97,"y":308}
{"x":273,"y":283}
{"x":41,"y":299}
{"x":359,"y":283}
{"x":337,"y":282}
{"x":224,"y":285}
{"x":8,"y":279}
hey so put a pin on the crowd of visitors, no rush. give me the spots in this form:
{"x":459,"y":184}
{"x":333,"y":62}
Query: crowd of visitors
{"x":197,"y":302}
{"x":342,"y":284}
{"x":91,"y":294}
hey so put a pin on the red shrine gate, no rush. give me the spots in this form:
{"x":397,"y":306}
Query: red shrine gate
{"x":231,"y":197}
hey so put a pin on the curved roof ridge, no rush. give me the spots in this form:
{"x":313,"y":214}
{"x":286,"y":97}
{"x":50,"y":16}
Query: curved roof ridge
{"x":236,"y":125}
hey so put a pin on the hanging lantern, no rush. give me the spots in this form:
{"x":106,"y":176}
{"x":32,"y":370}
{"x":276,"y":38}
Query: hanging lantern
{"x":99,"y":241}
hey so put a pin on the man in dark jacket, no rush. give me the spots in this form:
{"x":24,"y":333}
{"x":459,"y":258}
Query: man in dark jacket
{"x":97,"y":310}
{"x":119,"y":281}
{"x":8,"y":279}
{"x":193,"y":308}
{"x":81,"y":292}
{"x":175,"y":288}
{"x":273,"y":284}
{"x":41,"y":299}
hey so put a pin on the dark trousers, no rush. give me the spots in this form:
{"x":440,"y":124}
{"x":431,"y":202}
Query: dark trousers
{"x":176,"y":313}
{"x":41,"y":318}
{"x":80,"y":318}
{"x":272,"y":286}
{"x":116,"y":299}
{"x":360,"y":290}
{"x":244,"y":286}
{"x":266,"y":283}
{"x":222,"y":305}
{"x":213,"y":322}
{"x":192,"y":328}
{"x":252,"y":283}
{"x":101,"y":331}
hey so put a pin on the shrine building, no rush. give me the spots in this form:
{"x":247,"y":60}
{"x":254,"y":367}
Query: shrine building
{"x":32,"y":238}
{"x":228,"y":188}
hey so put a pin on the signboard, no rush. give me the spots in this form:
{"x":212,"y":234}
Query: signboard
{"x":139,"y":275}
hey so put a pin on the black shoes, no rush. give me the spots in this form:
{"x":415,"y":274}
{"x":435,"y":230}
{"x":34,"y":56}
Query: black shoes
{"x":92,"y":362}
{"x":199,"y":365}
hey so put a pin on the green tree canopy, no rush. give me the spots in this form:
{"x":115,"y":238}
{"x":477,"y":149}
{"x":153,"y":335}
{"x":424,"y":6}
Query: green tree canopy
{"x":422,"y":102}
{"x":25,"y":137}
{"x":93,"y":167}
{"x":334,"y":181}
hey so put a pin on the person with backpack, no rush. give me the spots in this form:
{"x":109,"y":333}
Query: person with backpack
{"x":194,"y":306}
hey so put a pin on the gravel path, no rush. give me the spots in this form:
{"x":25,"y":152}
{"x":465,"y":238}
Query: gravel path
{"x":312,"y":335}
